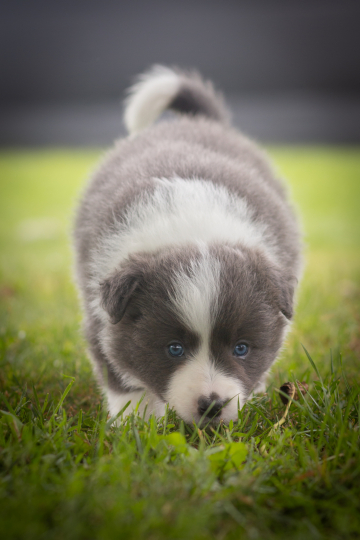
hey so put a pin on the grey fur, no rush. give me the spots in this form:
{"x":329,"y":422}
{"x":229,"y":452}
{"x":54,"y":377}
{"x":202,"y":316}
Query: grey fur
{"x":256,"y":293}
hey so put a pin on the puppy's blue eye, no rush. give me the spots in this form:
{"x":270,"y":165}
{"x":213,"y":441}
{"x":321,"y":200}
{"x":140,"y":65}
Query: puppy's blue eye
{"x":176,"y":349}
{"x":241,"y":349}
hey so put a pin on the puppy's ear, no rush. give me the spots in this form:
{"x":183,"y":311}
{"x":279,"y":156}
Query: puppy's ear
{"x":284,"y":293}
{"x":286,"y":299}
{"x":117,"y":290}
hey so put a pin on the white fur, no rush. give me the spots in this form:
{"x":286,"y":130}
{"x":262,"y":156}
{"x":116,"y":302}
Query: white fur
{"x":196,"y":295}
{"x":149,"y":97}
{"x":178,"y":212}
{"x":150,"y":402}
{"x":199,"y":377}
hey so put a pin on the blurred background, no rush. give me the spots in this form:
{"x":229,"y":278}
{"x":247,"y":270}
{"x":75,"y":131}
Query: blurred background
{"x":290,"y":70}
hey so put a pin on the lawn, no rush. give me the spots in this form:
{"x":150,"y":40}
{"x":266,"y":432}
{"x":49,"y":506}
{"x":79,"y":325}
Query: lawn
{"x":67,"y":473}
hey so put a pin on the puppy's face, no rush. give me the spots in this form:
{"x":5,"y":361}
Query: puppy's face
{"x":199,"y":328}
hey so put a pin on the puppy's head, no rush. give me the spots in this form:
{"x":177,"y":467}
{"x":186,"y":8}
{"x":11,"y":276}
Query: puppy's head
{"x":199,"y":327}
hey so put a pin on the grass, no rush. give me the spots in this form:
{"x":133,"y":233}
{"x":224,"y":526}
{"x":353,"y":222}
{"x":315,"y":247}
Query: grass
{"x":65,"y":472}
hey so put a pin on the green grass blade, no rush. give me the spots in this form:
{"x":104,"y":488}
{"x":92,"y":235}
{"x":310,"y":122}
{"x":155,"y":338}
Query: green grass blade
{"x":312,"y":363}
{"x":65,"y":393}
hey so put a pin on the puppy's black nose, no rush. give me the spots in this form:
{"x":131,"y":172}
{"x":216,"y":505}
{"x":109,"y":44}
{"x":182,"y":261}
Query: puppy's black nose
{"x":210,"y":405}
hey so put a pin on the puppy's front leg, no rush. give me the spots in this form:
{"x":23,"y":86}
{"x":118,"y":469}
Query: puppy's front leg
{"x":150,"y":403}
{"x":260,"y":387}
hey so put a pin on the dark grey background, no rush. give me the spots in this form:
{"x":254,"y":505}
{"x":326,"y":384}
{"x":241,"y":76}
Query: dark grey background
{"x":290,"y":69}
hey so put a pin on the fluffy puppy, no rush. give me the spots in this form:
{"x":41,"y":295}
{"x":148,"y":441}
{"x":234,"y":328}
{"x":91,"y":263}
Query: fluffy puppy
{"x":187,"y":256}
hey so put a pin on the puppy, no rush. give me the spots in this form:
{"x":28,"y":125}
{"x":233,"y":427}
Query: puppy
{"x":187,"y":257}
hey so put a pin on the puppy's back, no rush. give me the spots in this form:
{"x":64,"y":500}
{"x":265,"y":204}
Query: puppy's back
{"x":200,"y":145}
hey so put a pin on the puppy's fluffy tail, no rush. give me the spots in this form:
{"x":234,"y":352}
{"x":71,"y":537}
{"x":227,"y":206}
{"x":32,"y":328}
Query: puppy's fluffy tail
{"x":163,"y":88}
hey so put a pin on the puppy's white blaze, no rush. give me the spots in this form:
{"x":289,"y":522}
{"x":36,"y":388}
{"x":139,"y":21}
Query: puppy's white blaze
{"x":196,"y":294}
{"x":149,"y":97}
{"x":199,"y":377}
{"x":150,"y":402}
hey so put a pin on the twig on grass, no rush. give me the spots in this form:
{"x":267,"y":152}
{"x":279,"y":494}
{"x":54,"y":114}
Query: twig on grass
{"x":288,"y":393}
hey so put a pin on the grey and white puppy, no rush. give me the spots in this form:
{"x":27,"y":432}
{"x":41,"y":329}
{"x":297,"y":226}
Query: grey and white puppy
{"x":187,"y":256}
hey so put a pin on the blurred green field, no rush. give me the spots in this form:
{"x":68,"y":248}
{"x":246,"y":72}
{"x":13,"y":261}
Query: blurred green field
{"x":66,"y":473}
